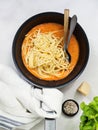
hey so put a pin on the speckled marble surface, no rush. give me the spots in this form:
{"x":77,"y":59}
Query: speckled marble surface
{"x":14,"y":12}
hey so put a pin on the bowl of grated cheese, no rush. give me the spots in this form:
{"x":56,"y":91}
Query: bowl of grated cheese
{"x":38,"y":51}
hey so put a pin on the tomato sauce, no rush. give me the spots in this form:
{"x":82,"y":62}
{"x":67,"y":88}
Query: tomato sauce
{"x":73,"y":49}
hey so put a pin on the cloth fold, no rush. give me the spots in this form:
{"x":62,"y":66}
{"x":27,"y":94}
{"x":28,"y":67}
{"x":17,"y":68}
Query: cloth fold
{"x":22,"y":105}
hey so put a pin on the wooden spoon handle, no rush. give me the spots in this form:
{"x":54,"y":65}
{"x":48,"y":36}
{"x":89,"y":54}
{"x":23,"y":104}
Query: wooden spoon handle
{"x":66,"y":21}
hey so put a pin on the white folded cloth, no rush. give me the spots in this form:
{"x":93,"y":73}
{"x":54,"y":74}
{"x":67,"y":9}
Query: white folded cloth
{"x":22,"y":105}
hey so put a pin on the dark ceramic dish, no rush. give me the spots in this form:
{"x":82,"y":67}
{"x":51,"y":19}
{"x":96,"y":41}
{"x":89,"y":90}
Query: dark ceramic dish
{"x":45,"y":18}
{"x":71,"y":105}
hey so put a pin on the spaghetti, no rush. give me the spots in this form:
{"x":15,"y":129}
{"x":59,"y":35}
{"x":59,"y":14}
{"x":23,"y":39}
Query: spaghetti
{"x":44,"y":52}
{"x":43,"y":55}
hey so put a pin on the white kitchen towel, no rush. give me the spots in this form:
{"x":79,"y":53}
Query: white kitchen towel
{"x":22,"y":105}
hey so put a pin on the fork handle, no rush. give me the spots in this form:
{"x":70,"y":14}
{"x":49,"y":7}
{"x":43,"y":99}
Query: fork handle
{"x":66,"y":22}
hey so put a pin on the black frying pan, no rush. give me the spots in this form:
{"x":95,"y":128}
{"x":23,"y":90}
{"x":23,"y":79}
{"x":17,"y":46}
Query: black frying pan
{"x":44,"y":18}
{"x":81,"y":64}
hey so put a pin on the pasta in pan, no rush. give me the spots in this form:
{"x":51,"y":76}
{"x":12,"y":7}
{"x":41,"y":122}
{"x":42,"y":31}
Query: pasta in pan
{"x":43,"y":55}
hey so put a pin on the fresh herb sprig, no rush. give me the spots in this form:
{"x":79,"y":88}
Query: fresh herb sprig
{"x":89,"y":117}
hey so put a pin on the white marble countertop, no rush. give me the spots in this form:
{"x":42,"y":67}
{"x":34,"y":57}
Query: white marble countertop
{"x":14,"y":12}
